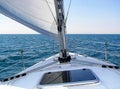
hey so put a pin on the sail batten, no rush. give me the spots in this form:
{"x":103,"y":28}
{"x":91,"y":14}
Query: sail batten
{"x":33,"y":14}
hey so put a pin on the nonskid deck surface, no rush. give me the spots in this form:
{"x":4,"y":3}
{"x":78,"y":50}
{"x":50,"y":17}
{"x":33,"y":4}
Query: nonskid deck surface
{"x":107,"y":76}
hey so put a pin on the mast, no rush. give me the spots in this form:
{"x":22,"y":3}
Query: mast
{"x":61,"y":26}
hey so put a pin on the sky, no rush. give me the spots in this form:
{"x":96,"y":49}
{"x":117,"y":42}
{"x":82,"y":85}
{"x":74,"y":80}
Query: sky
{"x":85,"y":17}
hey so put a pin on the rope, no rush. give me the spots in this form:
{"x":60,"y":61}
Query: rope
{"x":51,"y":11}
{"x":113,"y":44}
{"x":17,"y":63}
{"x":10,"y":66}
{"x":100,"y":43}
{"x":68,"y":11}
{"x":111,"y":54}
{"x":91,"y":50}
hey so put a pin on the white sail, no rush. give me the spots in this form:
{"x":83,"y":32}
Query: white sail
{"x":39,"y":15}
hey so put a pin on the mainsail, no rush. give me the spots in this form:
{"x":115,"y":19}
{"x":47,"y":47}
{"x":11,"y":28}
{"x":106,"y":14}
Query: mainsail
{"x":40,"y":15}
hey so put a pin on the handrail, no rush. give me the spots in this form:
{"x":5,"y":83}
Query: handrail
{"x":111,"y":44}
{"x":112,"y":54}
{"x":89,"y":49}
{"x":114,"y":44}
{"x":105,"y":50}
{"x":10,"y":66}
{"x":17,"y":63}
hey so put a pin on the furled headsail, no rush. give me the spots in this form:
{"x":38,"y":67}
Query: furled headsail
{"x":40,"y":15}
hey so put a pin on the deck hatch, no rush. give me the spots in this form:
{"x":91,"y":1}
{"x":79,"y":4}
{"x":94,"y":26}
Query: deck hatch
{"x":69,"y":76}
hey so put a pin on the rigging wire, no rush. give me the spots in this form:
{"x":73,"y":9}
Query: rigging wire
{"x":68,"y":11}
{"x":9,"y":66}
{"x":89,"y":49}
{"x":51,"y":11}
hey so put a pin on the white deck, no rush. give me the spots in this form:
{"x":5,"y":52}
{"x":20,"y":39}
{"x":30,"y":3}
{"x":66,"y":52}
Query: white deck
{"x":109,"y":77}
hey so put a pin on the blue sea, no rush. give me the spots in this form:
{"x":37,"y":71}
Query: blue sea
{"x":16,"y":50}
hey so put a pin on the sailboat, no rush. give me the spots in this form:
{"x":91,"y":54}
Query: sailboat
{"x":64,"y":70}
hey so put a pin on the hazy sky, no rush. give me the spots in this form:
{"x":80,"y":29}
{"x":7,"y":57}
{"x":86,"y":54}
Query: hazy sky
{"x":85,"y":17}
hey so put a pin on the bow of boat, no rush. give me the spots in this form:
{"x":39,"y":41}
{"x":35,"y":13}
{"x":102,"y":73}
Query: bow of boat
{"x":82,"y":72}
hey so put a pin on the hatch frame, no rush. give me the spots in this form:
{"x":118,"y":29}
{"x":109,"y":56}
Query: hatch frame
{"x":94,"y":81}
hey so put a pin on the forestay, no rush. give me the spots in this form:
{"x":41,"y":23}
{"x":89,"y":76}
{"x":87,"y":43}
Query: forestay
{"x":39,"y":15}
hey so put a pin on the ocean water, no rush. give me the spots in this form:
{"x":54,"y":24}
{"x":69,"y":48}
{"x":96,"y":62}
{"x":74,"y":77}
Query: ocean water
{"x":33,"y":48}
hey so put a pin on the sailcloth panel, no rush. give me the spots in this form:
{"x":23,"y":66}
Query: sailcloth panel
{"x":39,"y":15}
